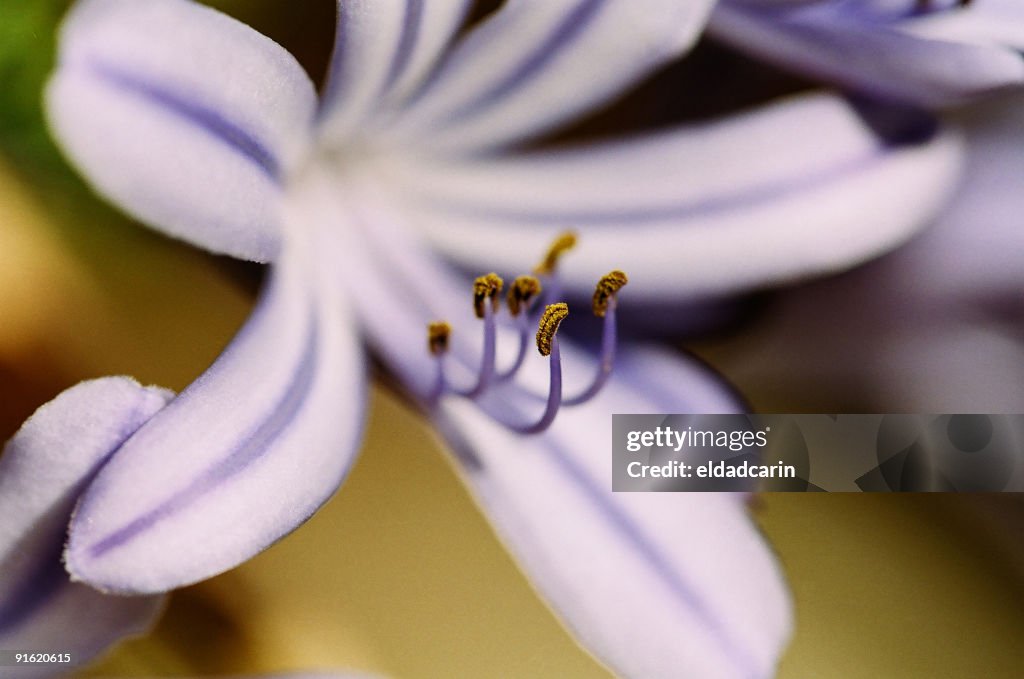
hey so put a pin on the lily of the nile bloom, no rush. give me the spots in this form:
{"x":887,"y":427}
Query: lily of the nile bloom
{"x":210,"y":132}
{"x":931,"y":53}
{"x":43,"y":470}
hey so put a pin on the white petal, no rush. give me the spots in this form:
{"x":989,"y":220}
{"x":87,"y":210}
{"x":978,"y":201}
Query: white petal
{"x":244,"y":455}
{"x":654,"y":584}
{"x":183,"y":116}
{"x":794,"y":189}
{"x":383,"y":49}
{"x":826,"y":41}
{"x":534,"y":65}
{"x":42,"y":471}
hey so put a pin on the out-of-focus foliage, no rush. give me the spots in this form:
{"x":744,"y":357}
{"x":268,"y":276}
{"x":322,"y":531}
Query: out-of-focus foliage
{"x":27,"y":39}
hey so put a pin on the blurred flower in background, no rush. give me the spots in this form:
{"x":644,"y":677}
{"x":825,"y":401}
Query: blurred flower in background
{"x":710,"y":207}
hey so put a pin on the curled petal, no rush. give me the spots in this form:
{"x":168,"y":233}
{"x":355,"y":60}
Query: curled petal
{"x":242,"y":457}
{"x":534,"y":65}
{"x":183,"y":116}
{"x":43,"y":470}
{"x":383,"y":50}
{"x":654,"y":584}
{"x":708,"y":209}
{"x":898,"y":61}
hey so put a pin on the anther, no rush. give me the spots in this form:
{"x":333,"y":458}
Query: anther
{"x":438,"y":333}
{"x":484,"y":288}
{"x":553,"y":316}
{"x":565,"y":242}
{"x":604,"y":307}
{"x":524,"y":289}
{"x":606,"y":288}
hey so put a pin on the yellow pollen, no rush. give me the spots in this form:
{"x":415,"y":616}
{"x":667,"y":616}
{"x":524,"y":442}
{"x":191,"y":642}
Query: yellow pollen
{"x":523,"y":289}
{"x":437,"y":337}
{"x":553,"y":316}
{"x":484,"y":288}
{"x":606,"y":288}
{"x":561,"y":245}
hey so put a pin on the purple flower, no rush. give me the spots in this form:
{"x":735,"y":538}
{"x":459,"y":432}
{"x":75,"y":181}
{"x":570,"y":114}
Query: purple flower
{"x":212,"y":133}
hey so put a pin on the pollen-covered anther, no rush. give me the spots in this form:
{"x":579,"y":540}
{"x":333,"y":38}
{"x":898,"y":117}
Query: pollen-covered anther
{"x":523,"y":290}
{"x":562,"y":244}
{"x":438,"y":333}
{"x":484,"y":288}
{"x":553,"y":316}
{"x":606,"y":289}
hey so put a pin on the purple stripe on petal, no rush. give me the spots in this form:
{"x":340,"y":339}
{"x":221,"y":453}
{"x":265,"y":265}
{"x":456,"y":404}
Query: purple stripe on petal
{"x":744,"y":199}
{"x":203,"y":117}
{"x":47,"y":575}
{"x":561,"y":37}
{"x":251,"y":448}
{"x":686,"y":595}
{"x":407,"y":42}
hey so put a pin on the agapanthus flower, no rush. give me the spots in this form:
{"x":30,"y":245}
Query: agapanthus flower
{"x":210,"y":132}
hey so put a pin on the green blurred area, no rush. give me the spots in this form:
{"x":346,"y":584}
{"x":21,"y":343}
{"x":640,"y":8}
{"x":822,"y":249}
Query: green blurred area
{"x":400,"y":574}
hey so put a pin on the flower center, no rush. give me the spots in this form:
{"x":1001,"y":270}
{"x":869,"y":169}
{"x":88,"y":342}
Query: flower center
{"x":531,"y":301}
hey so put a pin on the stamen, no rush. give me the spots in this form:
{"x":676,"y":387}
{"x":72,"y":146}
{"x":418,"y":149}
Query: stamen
{"x":522,"y":292}
{"x":521,"y":295}
{"x":609,"y":284}
{"x":547,"y":343}
{"x":565,"y":242}
{"x":554,"y":392}
{"x":605,"y":302}
{"x":438,"y":333}
{"x":553,"y":316}
{"x":484,"y":288}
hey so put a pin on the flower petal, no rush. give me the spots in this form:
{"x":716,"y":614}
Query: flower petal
{"x":42,"y":471}
{"x":183,"y":116}
{"x":937,"y":323}
{"x":972,"y":255}
{"x":983,"y":22}
{"x":507,"y":80}
{"x":654,"y":584}
{"x":708,"y":209}
{"x":829,"y":41}
{"x":383,"y":49}
{"x":243,"y":456}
